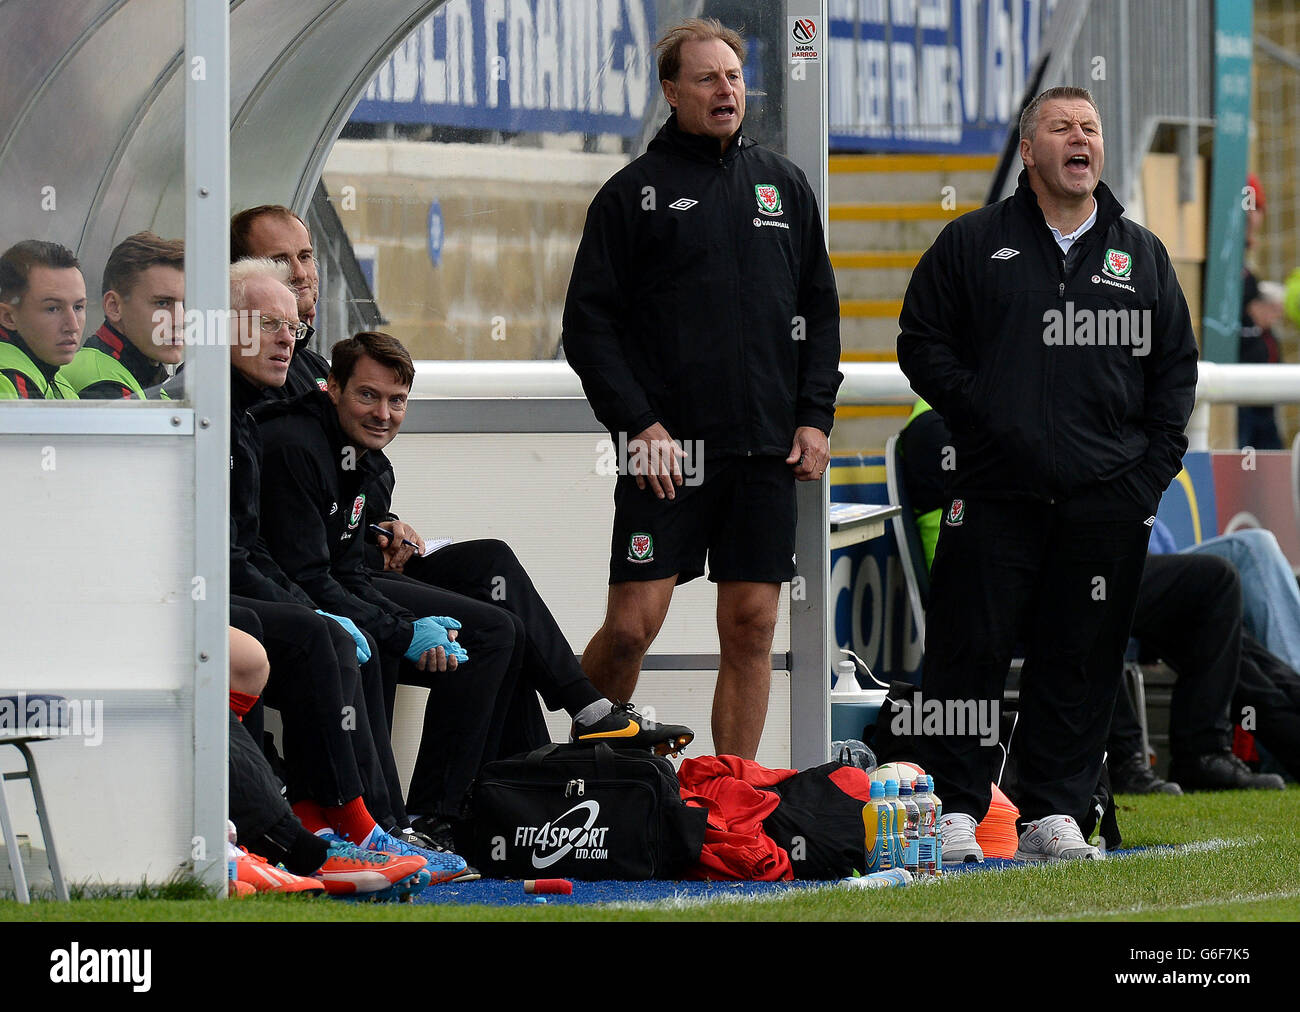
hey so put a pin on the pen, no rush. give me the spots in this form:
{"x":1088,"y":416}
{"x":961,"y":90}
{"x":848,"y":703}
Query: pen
{"x":376,"y":529}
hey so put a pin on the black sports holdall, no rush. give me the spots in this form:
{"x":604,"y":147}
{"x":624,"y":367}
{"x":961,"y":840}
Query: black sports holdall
{"x":583,"y":812}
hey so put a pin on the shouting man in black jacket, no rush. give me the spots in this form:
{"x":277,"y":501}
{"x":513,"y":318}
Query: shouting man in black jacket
{"x":702,"y":309}
{"x":1051,"y":334}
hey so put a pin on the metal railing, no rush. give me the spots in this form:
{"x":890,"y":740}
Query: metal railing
{"x":503,"y":396}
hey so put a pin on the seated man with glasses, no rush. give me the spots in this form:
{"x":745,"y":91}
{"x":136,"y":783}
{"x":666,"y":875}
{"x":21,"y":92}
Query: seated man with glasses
{"x":338,"y":757}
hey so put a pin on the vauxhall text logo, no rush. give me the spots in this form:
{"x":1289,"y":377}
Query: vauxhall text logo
{"x":573,"y":832}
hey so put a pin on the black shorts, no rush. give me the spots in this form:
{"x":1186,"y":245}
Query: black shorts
{"x":742,"y":518}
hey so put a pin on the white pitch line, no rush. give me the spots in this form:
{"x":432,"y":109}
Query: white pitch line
{"x":683,"y":901}
{"x":1196,"y":847}
{"x":1148,"y":908}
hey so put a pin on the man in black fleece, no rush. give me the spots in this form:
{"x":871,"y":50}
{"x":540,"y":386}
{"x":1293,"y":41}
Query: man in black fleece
{"x":1051,"y":334}
{"x":323,"y":457}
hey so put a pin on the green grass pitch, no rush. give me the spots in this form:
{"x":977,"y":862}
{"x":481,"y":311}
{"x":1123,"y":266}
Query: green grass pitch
{"x":1237,"y":857}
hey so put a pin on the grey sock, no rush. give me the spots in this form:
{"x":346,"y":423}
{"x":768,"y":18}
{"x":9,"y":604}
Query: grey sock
{"x":593,"y":712}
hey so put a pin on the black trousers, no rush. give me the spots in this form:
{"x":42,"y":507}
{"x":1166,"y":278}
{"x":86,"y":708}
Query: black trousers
{"x":1125,"y":738}
{"x":330,"y":751}
{"x":1189,"y":615}
{"x":487,"y":570}
{"x":1065,"y":575}
{"x":1268,"y":697}
{"x":257,"y":808}
{"x":475,"y":714}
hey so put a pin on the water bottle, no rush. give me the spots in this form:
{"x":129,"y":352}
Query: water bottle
{"x":852,"y":752}
{"x":846,"y":677}
{"x":938,"y":828}
{"x":880,"y":879}
{"x":877,"y":818}
{"x":925,"y":830}
{"x":911,"y":826}
{"x":898,"y":824}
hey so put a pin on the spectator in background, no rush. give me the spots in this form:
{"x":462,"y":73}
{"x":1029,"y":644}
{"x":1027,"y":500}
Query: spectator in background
{"x":42,"y":317}
{"x":1257,"y":423}
{"x":275,"y":232}
{"x":1270,"y":596}
{"x":144,"y":322}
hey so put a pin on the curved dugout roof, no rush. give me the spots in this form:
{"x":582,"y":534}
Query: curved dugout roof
{"x":92,"y":127}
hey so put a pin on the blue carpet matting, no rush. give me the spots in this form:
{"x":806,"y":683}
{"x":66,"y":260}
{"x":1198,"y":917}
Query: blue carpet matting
{"x":510,"y":892}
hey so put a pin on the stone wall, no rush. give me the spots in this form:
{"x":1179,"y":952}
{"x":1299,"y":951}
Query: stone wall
{"x":511,"y":221}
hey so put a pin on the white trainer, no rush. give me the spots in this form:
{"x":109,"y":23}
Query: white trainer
{"x":959,"y":844}
{"x":1055,"y":838}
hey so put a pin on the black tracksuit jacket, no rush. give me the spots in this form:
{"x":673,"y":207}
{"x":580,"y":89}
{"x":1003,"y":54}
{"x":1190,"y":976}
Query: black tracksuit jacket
{"x":253,"y":573}
{"x":1036,"y":420}
{"x":718,"y":317}
{"x":314,"y":514}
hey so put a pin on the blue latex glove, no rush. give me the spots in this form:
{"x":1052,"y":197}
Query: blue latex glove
{"x":431,"y":632}
{"x":363,"y":648}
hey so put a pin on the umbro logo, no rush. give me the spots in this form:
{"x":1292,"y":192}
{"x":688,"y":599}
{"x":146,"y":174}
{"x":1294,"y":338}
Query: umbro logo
{"x":1005,"y":253}
{"x":684,"y":204}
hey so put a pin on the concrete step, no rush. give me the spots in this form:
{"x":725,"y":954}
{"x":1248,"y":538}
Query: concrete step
{"x":877,"y":259}
{"x":884,"y":210}
{"x":910,"y":164}
{"x":893,"y":178}
{"x":911,"y":210}
{"x":868,"y":333}
{"x":849,"y":234}
{"x":875,"y":187}
{"x":875,"y":284}
{"x":871,"y":308}
{"x":865,"y":434}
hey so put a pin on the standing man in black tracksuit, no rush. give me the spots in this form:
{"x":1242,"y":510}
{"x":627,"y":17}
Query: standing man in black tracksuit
{"x":1051,"y":334}
{"x":702,"y":309}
